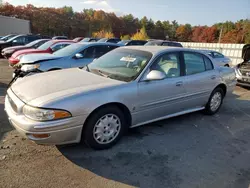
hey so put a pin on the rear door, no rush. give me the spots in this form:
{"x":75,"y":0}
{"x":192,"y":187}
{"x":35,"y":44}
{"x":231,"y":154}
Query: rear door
{"x":200,"y":78}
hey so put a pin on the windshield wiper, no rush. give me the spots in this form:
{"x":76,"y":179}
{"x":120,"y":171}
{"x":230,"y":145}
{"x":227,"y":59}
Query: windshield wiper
{"x":104,"y":75}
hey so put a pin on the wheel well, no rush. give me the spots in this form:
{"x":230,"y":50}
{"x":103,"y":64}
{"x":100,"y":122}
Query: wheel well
{"x":121,"y":106}
{"x":223,"y":87}
{"x":226,"y":65}
{"x":54,"y":69}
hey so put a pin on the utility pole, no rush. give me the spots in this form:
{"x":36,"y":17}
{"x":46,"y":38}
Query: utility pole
{"x":221,"y":29}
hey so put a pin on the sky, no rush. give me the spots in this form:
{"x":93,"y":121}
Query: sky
{"x":195,"y":12}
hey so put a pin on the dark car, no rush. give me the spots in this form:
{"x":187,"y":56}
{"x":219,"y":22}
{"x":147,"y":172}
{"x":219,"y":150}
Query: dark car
{"x":242,"y":70}
{"x":133,"y":42}
{"x":7,"y":37}
{"x":163,"y":43}
{"x":90,"y":39}
{"x":17,"y":41}
{"x":7,"y":52}
{"x":59,"y":37}
{"x":111,"y":40}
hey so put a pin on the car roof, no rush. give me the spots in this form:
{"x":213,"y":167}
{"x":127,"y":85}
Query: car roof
{"x":61,"y":40}
{"x":158,"y":49}
{"x":98,"y":43}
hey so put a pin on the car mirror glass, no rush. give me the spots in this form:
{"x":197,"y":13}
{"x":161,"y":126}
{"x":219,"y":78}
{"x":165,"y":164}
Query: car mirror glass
{"x":155,"y":75}
{"x":78,"y":56}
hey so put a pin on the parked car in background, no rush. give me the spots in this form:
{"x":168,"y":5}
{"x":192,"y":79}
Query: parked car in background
{"x":75,"y":55}
{"x":133,"y":42}
{"x":163,"y":43}
{"x":219,"y":58}
{"x":90,"y":39}
{"x":7,"y":52}
{"x":18,"y":40}
{"x":59,"y":38}
{"x":48,"y":47}
{"x":7,"y":37}
{"x":112,"y":40}
{"x":78,"y":39}
{"x":125,"y":88}
{"x":242,"y":70}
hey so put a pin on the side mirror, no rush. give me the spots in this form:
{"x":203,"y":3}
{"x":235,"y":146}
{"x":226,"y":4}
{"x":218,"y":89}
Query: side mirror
{"x":155,"y":75}
{"x":78,"y":56}
{"x":14,"y":42}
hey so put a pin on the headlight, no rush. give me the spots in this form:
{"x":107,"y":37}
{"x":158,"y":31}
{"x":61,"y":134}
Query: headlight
{"x":40,"y":114}
{"x":9,"y":51}
{"x":27,"y":68}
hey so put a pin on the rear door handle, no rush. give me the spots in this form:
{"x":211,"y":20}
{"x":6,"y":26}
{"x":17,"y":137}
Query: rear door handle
{"x":179,"y":83}
{"x":213,"y":77}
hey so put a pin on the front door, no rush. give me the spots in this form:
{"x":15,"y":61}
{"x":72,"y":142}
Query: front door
{"x":160,"y":98}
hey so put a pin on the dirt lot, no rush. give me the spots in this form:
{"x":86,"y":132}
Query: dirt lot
{"x":188,"y":151}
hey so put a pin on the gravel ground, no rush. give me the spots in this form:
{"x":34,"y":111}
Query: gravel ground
{"x":192,"y":150}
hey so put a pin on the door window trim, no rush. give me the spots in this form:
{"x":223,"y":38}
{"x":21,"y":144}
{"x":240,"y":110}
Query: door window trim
{"x":156,"y":58}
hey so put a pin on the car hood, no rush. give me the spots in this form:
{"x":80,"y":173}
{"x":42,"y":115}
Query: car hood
{"x":15,"y":48}
{"x":27,"y":51}
{"x":50,"y":86}
{"x":32,"y":58}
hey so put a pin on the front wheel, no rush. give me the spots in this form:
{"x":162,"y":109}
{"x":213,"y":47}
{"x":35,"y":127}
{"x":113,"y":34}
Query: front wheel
{"x":104,"y":128}
{"x":215,"y":101}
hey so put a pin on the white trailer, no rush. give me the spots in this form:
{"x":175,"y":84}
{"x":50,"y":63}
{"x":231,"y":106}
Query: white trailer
{"x":10,"y":25}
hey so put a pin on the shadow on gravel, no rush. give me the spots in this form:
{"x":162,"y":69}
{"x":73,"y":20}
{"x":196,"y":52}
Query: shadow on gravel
{"x":191,"y":150}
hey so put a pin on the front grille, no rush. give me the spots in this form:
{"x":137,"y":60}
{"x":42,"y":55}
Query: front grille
{"x":245,"y":72}
{"x":12,"y":104}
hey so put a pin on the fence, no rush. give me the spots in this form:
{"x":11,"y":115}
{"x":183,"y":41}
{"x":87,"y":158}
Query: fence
{"x":232,"y":51}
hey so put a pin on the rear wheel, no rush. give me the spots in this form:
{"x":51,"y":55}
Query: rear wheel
{"x":104,"y":128}
{"x":215,"y":101}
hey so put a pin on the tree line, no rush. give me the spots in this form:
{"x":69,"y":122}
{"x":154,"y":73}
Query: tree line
{"x":97,"y":23}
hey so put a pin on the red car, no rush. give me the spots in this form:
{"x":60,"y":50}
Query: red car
{"x":48,"y":47}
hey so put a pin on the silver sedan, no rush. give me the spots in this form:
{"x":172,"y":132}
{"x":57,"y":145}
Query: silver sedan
{"x":127,"y":87}
{"x":218,"y":58}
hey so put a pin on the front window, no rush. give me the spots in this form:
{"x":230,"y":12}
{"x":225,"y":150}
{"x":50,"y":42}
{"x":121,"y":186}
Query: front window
{"x":45,"y":46}
{"x":69,"y":50}
{"x":121,"y":64}
{"x":169,"y":64}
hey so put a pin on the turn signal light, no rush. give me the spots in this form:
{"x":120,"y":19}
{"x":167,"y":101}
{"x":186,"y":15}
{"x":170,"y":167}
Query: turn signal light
{"x":40,"y":135}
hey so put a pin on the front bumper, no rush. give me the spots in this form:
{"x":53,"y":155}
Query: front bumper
{"x":60,"y":132}
{"x":6,"y":55}
{"x":13,"y":61}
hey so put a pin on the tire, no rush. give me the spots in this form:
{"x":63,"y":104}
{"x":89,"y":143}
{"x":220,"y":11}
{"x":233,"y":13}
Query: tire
{"x":104,"y":129}
{"x":226,"y":65}
{"x":217,"y":93}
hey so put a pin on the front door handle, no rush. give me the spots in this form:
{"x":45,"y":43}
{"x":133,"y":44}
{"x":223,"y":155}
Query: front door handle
{"x":213,"y":77}
{"x":179,"y":83}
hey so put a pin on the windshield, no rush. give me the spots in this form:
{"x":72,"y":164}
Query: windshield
{"x":7,"y":37}
{"x":85,"y":40}
{"x":45,"y":46}
{"x":121,"y":64}
{"x":12,"y":38}
{"x":123,"y":42}
{"x":153,"y":43}
{"x":32,"y":43}
{"x":69,"y":50}
{"x":102,"y":40}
